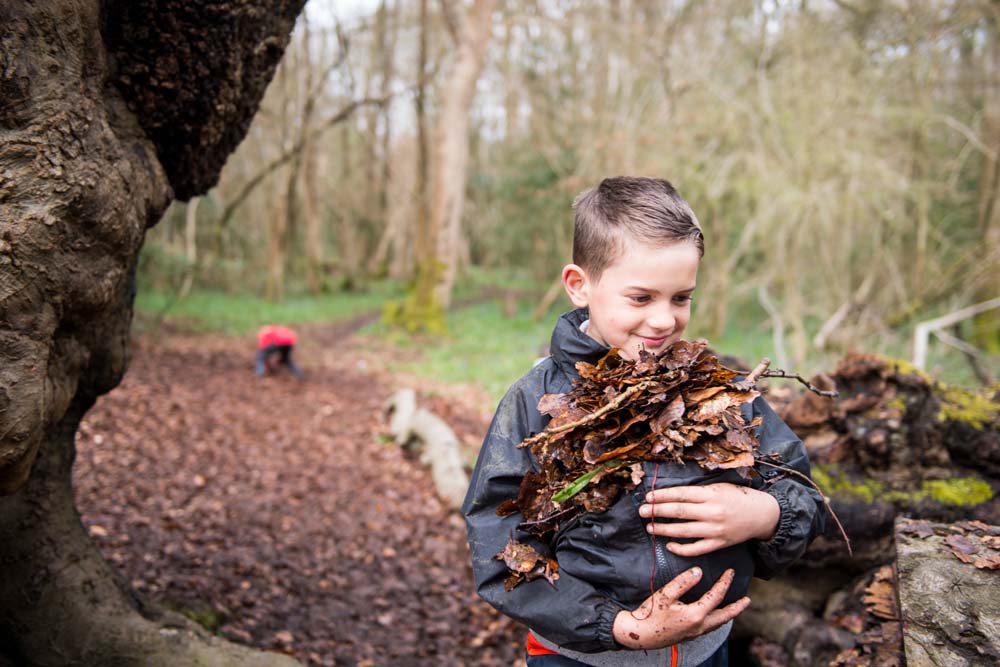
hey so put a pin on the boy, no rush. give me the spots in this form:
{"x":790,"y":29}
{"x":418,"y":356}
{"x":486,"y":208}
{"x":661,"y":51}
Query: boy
{"x":274,"y":349}
{"x":634,"y":590}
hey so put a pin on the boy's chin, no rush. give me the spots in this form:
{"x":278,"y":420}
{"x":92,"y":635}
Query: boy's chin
{"x":631,"y":352}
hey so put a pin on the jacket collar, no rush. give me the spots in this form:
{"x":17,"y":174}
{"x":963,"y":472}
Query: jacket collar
{"x":570,"y":345}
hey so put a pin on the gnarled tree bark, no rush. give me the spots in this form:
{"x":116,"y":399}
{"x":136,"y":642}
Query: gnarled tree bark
{"x":108,"y":110}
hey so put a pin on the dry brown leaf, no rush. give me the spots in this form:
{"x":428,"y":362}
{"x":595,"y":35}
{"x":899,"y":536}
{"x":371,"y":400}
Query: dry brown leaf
{"x":880,"y":595}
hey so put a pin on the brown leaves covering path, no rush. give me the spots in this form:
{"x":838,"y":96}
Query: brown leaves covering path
{"x":274,"y":510}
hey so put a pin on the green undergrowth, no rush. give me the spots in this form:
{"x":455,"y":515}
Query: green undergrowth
{"x":237,"y":314}
{"x":748,"y":335}
{"x":483,"y":344}
{"x":959,"y":491}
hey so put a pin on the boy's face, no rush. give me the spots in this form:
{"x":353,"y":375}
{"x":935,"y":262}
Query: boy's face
{"x":642,"y":300}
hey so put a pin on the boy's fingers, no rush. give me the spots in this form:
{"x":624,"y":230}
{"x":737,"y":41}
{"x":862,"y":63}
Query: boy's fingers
{"x":679,"y":529}
{"x":672,"y":510}
{"x":681,"y":584}
{"x":678,"y":494}
{"x":725,"y":614}
{"x":699,"y":548}
{"x":713,"y":596}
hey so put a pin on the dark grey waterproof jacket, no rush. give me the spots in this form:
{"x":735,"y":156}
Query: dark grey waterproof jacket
{"x":606,"y":559}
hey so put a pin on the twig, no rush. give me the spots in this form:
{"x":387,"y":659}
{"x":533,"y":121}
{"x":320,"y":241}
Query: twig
{"x":546,"y":519}
{"x":271,"y":167}
{"x":600,"y":412}
{"x":751,"y":378}
{"x":778,"y":373}
{"x":845,"y":308}
{"x":826,"y":501}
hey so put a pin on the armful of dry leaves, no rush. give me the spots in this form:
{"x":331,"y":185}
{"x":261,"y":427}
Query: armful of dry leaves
{"x":679,"y":406}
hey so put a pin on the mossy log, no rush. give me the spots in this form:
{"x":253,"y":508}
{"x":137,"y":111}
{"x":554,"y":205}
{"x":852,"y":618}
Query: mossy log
{"x":893,"y":443}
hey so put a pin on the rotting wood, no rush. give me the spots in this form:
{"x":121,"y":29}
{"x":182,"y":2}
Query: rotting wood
{"x":440,"y":449}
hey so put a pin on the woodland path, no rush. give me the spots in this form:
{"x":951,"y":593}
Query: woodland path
{"x":276,"y":513}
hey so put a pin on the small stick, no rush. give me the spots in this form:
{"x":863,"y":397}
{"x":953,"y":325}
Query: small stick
{"x":600,"y":412}
{"x":761,"y":368}
{"x":826,"y":501}
{"x":546,"y":519}
{"x":833,"y":393}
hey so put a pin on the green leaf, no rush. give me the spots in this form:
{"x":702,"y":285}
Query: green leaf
{"x":577,"y":484}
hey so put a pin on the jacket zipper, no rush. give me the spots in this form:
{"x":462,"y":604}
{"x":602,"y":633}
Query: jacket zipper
{"x":660,"y":558}
{"x":662,"y":572}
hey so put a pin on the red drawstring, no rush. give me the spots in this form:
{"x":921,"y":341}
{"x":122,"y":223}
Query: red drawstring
{"x":652,"y":517}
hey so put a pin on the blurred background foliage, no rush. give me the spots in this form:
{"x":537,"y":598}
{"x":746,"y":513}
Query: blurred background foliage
{"x":841,"y":156}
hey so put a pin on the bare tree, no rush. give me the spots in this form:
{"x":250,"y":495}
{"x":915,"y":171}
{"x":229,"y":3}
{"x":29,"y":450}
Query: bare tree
{"x":451,"y":154}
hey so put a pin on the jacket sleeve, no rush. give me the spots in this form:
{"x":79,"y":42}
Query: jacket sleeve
{"x":573,"y":614}
{"x":803,"y":513}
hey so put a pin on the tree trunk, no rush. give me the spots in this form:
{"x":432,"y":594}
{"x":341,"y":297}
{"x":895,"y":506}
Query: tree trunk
{"x":452,"y":154}
{"x":424,"y":246}
{"x":276,"y":246}
{"x":92,"y":156}
{"x":315,"y":170}
{"x":281,"y":221}
{"x":987,"y":326}
{"x":388,"y":70}
{"x":190,"y":246}
{"x":347,"y":242}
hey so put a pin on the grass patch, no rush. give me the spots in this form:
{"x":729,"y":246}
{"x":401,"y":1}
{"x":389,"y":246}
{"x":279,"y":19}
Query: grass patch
{"x":237,"y":314}
{"x":483,"y":345}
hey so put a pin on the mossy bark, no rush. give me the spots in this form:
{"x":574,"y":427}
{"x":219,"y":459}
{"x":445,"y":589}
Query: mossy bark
{"x":107,"y":109}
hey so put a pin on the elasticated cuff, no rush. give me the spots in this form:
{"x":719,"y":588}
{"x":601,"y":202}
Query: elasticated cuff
{"x":786,"y":524}
{"x":606,"y":613}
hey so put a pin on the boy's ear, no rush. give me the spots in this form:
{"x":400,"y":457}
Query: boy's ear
{"x":577,"y":285}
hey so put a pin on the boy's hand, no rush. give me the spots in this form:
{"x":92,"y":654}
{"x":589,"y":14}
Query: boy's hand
{"x":718,"y":515}
{"x":663,"y":620}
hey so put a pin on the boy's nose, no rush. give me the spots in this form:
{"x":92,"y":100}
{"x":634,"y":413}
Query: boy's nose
{"x":662,"y":318}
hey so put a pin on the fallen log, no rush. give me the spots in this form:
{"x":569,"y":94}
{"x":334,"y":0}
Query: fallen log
{"x":894,"y":443}
{"x":419,"y":428}
{"x":949,"y":592}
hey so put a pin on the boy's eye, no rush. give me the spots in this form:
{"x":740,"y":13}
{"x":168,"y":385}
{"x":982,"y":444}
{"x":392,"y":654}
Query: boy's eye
{"x":687,"y":298}
{"x":639,"y":298}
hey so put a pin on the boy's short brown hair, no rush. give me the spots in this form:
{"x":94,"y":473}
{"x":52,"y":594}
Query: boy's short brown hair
{"x":646,"y":209}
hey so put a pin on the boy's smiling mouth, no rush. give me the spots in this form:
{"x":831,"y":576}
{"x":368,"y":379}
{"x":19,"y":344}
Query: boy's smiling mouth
{"x":652,"y":343}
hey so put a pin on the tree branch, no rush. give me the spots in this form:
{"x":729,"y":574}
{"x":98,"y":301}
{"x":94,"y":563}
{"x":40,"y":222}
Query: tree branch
{"x":777,"y":373}
{"x":274,"y":164}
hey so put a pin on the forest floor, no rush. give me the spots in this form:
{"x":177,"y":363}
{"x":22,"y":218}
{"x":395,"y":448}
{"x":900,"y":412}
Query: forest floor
{"x":277,"y":513}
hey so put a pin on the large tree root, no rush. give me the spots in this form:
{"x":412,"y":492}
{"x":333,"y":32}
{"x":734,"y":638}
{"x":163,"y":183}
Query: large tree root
{"x":64,"y":605}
